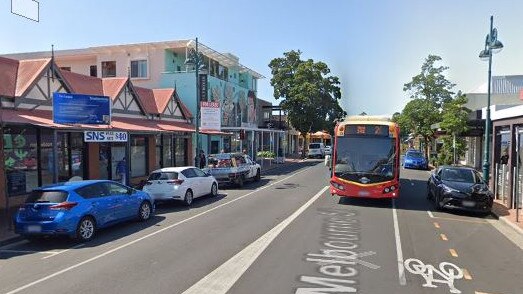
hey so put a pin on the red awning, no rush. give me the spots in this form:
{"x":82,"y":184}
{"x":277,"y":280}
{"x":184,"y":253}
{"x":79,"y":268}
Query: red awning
{"x":44,"y":119}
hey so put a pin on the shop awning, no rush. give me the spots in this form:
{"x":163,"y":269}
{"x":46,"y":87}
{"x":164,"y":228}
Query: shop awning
{"x":215,"y":133}
{"x":44,"y":119}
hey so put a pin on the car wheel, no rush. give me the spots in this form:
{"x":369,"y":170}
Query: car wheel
{"x":239,"y":181}
{"x":144,"y":213}
{"x":187,"y":200}
{"x":86,"y":229}
{"x":257,"y":177}
{"x":214,"y":190}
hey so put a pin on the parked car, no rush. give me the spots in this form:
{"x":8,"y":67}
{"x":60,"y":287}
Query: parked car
{"x":328,"y":150}
{"x":459,"y":187}
{"x":316,"y":150}
{"x":79,"y":209}
{"x":180,"y":183}
{"x":415,"y":159}
{"x":233,"y":168}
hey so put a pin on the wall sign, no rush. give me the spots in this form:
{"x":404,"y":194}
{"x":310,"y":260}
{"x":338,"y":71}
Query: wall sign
{"x":81,"y":109}
{"x":105,"y":136}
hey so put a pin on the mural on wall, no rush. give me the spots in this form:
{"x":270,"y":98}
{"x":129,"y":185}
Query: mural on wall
{"x":238,"y":104}
{"x":228,"y":108}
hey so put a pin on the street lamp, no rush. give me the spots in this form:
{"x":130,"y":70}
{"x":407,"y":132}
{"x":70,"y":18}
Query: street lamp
{"x":492,"y":46}
{"x":195,"y":58}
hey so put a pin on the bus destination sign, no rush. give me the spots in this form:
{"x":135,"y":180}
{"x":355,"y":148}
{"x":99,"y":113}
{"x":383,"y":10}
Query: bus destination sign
{"x":372,"y":130}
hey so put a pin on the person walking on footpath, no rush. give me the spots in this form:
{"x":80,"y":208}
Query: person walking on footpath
{"x":202,"y":159}
{"x":121,"y":171}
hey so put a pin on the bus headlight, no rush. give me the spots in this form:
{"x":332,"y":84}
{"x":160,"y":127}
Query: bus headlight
{"x":389,"y":189}
{"x":337,"y":186}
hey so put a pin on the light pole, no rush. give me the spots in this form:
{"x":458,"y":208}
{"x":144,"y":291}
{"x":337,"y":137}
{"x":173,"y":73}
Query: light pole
{"x":195,"y":58}
{"x":492,"y":45}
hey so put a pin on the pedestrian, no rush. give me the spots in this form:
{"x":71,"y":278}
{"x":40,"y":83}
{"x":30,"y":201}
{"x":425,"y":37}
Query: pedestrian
{"x":121,"y":171}
{"x":202,"y":159}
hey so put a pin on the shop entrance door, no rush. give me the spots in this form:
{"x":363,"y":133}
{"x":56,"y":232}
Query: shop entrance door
{"x":502,"y":187}
{"x":105,"y":161}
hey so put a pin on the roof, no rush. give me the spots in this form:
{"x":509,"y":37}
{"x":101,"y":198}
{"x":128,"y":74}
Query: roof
{"x":17,"y":76}
{"x":154,"y":100}
{"x":88,"y":85}
{"x":112,"y":87}
{"x":512,"y":84}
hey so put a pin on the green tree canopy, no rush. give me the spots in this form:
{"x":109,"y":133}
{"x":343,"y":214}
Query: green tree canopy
{"x":310,"y":95}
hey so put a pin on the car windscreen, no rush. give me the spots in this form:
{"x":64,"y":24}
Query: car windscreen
{"x":415,"y":154}
{"x":457,"y":175}
{"x":39,"y":196}
{"x":314,"y":146}
{"x":160,"y":176}
{"x":369,"y":156}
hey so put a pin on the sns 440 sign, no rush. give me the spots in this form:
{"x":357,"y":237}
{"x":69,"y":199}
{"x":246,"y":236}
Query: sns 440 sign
{"x":105,"y":136}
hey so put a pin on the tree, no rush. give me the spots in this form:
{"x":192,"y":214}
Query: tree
{"x":430,"y":90}
{"x":431,"y":83}
{"x":454,"y":122}
{"x":310,"y":95}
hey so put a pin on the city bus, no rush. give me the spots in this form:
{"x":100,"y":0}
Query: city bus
{"x":365,"y":158}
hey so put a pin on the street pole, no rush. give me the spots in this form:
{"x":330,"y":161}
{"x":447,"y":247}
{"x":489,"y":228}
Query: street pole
{"x":197,"y":66}
{"x":486,"y":154}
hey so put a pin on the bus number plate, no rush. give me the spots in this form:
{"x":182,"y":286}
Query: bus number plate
{"x":363,"y":193}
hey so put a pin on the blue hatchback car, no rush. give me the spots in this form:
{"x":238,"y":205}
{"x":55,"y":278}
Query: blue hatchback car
{"x":415,"y":159}
{"x":78,"y":209}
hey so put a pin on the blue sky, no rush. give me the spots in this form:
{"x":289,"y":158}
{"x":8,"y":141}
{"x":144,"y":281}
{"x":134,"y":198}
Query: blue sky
{"x":373,"y":46}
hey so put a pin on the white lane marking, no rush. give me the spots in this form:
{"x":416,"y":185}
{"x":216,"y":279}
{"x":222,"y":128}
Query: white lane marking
{"x":60,"y":252}
{"x":399,"y":252}
{"x":146,"y":236}
{"x":11,"y":245}
{"x":223,"y":278}
{"x":448,"y":272}
{"x":430,"y":214}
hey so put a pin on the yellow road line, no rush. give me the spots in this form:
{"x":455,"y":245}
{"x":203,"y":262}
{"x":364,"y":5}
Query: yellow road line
{"x":443,"y":237}
{"x":436,"y":225}
{"x":466,"y":274}
{"x":453,"y":252}
{"x":462,"y":220}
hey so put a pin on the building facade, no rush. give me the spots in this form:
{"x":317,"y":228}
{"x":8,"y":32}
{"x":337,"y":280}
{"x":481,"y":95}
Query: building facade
{"x":163,"y":65}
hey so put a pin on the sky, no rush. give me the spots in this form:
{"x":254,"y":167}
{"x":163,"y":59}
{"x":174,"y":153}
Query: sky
{"x":373,"y":46}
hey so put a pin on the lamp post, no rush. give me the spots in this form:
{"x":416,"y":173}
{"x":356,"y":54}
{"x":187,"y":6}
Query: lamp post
{"x":492,"y":45}
{"x":195,"y":58}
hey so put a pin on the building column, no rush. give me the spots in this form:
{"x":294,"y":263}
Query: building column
{"x":151,"y":153}
{"x":93,"y":161}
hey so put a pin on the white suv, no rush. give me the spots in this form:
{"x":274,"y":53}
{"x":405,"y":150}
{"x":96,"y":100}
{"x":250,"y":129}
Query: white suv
{"x":316,"y":150}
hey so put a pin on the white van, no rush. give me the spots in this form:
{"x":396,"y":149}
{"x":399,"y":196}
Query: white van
{"x":316,"y":150}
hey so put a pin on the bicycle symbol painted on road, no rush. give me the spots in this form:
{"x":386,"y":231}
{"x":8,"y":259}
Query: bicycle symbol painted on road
{"x":448,"y":272}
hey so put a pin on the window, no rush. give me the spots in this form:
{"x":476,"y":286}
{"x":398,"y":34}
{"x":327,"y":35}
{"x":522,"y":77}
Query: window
{"x":189,"y":173}
{"x":66,"y":68}
{"x":138,"y":156}
{"x":20,"y":159}
{"x":93,"y":70}
{"x":47,"y":196}
{"x":91,"y":191}
{"x":199,"y":172}
{"x":163,"y":176}
{"x":108,"y":69}
{"x":115,"y":189}
{"x":139,"y":69}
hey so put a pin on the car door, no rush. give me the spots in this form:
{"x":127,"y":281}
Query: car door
{"x":191,"y":180}
{"x":204,"y":184}
{"x":252,"y":167}
{"x":102,"y":205}
{"x":126,"y":204}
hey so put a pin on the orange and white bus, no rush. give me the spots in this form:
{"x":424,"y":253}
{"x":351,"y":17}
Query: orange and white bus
{"x":365,"y":158}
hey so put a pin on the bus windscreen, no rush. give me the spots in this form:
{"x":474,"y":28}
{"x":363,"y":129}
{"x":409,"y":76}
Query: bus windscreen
{"x":372,"y":157}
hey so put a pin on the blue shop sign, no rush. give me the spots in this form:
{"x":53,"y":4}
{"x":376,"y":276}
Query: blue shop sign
{"x":81,"y":109}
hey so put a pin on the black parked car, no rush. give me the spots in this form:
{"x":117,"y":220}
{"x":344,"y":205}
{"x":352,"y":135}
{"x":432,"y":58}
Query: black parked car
{"x":459,"y":187}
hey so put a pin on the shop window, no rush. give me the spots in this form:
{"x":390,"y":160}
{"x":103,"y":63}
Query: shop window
{"x":108,"y":69}
{"x":180,"y":151}
{"x":139,"y":69}
{"x":167,"y":151}
{"x":138,"y":156}
{"x":93,"y":70}
{"x":20,"y":159}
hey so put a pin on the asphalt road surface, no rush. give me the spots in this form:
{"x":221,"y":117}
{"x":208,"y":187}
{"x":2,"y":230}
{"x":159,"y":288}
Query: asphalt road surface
{"x":285,"y":234}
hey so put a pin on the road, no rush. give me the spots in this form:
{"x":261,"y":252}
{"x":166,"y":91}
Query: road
{"x":285,"y":234}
